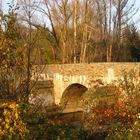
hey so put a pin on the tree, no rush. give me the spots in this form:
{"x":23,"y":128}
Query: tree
{"x":27,"y":10}
{"x":131,"y":41}
{"x":123,"y":14}
{"x":11,"y":57}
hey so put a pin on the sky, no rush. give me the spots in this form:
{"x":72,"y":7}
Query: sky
{"x":136,"y":18}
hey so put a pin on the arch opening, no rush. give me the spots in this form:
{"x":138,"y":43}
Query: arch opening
{"x":72,"y":96}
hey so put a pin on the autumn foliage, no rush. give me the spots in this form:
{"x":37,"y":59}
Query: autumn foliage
{"x":11,"y":124}
{"x":118,"y":118}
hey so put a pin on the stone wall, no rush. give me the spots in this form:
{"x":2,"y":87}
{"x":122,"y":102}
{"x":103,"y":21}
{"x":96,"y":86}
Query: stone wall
{"x":42,"y":94}
{"x":93,"y":69}
{"x":63,"y":75}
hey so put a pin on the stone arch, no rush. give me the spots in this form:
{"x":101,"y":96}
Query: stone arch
{"x":71,"y":97}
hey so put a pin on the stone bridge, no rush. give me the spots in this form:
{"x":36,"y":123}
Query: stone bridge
{"x":66,"y":77}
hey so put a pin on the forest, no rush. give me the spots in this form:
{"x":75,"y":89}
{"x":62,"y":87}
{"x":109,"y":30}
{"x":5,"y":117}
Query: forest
{"x":71,"y":31}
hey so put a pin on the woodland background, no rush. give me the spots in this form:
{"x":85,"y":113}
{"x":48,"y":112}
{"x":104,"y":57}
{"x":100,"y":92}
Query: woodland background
{"x":70,"y":31}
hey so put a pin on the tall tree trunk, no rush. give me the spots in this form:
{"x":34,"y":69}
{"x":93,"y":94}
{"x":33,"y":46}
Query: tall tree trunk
{"x":84,"y":38}
{"x":29,"y":55}
{"x":75,"y":32}
{"x":109,"y":46}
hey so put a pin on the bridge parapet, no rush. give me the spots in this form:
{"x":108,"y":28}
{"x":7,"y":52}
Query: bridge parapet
{"x":42,"y":77}
{"x":85,"y":74}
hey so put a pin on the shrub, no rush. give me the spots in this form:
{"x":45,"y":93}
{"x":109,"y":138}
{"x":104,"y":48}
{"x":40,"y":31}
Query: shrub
{"x":124,"y":133}
{"x":11,"y":124}
{"x":116,"y":115}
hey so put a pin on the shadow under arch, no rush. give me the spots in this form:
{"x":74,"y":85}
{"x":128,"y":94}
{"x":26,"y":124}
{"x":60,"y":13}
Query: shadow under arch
{"x":71,"y":97}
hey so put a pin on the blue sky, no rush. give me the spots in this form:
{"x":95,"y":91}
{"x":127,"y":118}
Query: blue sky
{"x":136,"y":18}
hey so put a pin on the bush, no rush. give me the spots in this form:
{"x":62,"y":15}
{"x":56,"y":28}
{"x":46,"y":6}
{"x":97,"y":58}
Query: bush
{"x":124,"y":133}
{"x":116,"y":115}
{"x":64,"y":132}
{"x":11,"y":124}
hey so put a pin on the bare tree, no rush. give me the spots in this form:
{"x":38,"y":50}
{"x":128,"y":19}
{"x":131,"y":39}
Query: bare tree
{"x":124,"y":11}
{"x":27,"y":13}
{"x":87,"y":26}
